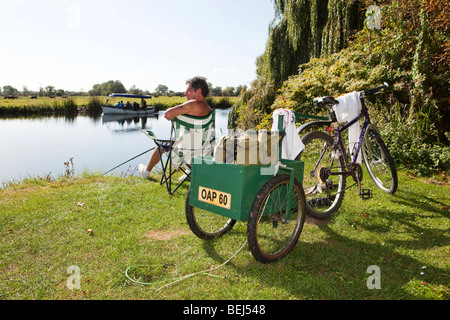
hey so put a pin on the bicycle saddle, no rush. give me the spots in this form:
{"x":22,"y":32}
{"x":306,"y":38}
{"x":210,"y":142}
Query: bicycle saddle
{"x":323,"y":101}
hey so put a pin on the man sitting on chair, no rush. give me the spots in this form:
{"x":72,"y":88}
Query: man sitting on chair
{"x":196,"y":93}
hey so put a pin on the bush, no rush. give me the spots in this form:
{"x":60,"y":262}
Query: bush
{"x":415,"y":154}
{"x":67,"y":107}
{"x":94,"y":106}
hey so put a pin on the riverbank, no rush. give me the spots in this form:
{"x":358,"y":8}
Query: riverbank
{"x":26,"y":106}
{"x":91,"y":237}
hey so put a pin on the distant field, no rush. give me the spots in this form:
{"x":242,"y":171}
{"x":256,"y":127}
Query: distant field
{"x":40,"y":101}
{"x":58,"y":105}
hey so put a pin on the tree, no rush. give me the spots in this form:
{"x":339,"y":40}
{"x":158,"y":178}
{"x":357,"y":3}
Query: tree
{"x":134,"y":90}
{"x":228,"y":92}
{"x":238,"y":90}
{"x":50,"y":91}
{"x":216,"y":91}
{"x":105,"y":88}
{"x":162,"y":89}
{"x":9,"y":90}
{"x":115,"y":86}
{"x":25,"y":91}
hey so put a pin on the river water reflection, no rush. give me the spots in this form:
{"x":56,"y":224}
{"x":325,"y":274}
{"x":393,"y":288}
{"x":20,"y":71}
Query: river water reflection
{"x":41,"y":146}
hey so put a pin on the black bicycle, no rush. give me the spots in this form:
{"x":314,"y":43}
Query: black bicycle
{"x":328,"y":164}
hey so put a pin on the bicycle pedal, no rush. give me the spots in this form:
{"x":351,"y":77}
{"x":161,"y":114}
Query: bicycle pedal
{"x":365,"y":194}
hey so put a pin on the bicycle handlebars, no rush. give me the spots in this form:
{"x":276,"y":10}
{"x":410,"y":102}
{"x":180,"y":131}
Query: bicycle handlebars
{"x":327,"y":100}
{"x":373,"y":90}
{"x":330,"y":101}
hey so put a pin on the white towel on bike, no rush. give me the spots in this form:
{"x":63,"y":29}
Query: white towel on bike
{"x":348,"y":109}
{"x":292,"y":144}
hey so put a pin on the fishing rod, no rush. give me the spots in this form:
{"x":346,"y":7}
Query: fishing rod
{"x":130,"y":160}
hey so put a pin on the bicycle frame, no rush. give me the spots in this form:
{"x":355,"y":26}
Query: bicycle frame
{"x":338,"y":138}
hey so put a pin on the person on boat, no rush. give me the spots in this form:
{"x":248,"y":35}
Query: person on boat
{"x":196,"y":93}
{"x":143,"y":104}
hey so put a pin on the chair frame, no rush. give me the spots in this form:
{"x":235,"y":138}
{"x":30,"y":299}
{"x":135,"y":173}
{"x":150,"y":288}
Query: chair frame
{"x":168,"y":144}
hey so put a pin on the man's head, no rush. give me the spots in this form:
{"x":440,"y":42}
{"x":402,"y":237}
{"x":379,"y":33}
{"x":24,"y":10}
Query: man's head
{"x":199,"y":83}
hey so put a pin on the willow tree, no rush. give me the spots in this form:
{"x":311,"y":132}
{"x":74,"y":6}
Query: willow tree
{"x":301,"y":30}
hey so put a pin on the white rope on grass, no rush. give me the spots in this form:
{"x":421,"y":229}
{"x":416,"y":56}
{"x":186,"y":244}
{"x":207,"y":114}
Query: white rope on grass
{"x":204,"y":271}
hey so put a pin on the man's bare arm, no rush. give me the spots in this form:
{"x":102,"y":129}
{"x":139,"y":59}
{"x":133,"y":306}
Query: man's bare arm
{"x":176,"y":111}
{"x":191,"y":107}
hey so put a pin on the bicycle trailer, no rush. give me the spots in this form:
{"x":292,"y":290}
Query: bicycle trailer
{"x":268,"y":196}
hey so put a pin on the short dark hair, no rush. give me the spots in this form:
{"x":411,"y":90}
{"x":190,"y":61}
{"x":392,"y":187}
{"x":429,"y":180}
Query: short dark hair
{"x":199,"y":83}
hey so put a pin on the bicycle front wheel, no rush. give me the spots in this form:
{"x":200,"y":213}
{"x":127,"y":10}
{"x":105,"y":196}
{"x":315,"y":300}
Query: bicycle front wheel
{"x":324,"y":191}
{"x":272,"y":229}
{"x":205,"y":224}
{"x":378,"y":161}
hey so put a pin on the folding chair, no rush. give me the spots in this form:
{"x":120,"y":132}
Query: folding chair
{"x":190,"y":137}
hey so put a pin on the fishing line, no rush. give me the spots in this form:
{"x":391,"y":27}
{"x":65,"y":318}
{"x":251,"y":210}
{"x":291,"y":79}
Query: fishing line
{"x":129,"y":160}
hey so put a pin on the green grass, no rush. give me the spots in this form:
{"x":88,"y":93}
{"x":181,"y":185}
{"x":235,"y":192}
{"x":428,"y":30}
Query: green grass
{"x":137,"y":227}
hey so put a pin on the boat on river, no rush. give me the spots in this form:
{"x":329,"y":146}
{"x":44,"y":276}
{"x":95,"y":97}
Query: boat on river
{"x":130,"y":107}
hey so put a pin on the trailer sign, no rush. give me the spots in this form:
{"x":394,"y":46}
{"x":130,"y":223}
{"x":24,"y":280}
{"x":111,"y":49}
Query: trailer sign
{"x":217,"y":198}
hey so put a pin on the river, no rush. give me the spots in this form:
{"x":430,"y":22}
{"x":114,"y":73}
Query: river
{"x":32,"y":147}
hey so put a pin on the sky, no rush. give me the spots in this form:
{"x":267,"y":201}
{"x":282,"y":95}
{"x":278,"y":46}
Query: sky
{"x":75,"y":44}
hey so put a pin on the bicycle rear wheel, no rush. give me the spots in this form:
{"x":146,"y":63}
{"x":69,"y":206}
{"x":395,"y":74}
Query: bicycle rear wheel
{"x":205,"y":224}
{"x":324,"y":193}
{"x":272,"y":230}
{"x":378,"y":161}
